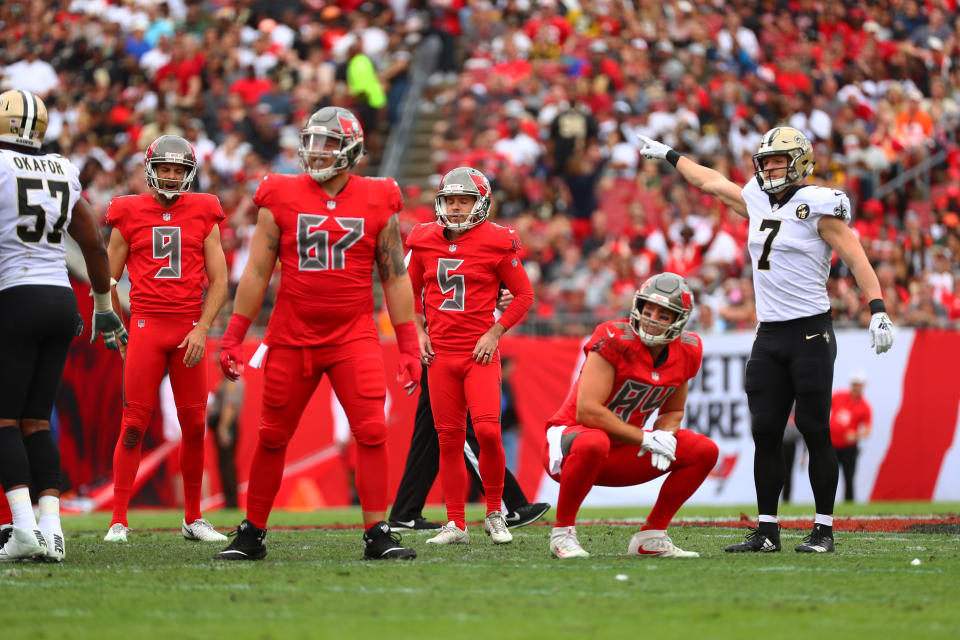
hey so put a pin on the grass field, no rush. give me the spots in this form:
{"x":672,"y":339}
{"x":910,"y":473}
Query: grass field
{"x":315,"y":584}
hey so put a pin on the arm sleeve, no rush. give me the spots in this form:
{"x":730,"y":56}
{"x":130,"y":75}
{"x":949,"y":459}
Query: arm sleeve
{"x":513,"y":275}
{"x":263,"y":192}
{"x":114,"y":217}
{"x":605,"y":343}
{"x":838,"y":207}
{"x":216,"y":213}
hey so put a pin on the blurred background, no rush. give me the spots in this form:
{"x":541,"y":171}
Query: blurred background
{"x":546,"y":97}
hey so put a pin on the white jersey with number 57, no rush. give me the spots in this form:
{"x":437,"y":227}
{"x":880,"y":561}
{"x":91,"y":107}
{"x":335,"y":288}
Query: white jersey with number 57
{"x":791,"y":262}
{"x":37,"y":196}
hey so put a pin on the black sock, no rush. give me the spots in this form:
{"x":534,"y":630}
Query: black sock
{"x":44,"y":460}
{"x":824,"y":530}
{"x":14,"y":465}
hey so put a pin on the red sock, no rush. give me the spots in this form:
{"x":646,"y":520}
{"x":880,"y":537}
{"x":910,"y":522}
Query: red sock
{"x":191,"y":459}
{"x":371,"y":476}
{"x":266,"y":473}
{"x":5,"y":516}
{"x":126,"y":461}
{"x":695,"y":458}
{"x":492,"y":463}
{"x":580,"y":470}
{"x":453,"y":475}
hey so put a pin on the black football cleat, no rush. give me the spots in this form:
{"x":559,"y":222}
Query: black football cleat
{"x":757,"y":542}
{"x":382,"y":544}
{"x":527,"y":514}
{"x":820,"y":540}
{"x":416,"y":524}
{"x":247,"y":544}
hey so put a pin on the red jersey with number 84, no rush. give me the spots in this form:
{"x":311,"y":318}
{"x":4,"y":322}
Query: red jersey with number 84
{"x":638,"y":388}
{"x":327,"y":251}
{"x":166,"y":264}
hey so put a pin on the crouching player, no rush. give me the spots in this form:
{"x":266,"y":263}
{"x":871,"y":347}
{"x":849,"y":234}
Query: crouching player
{"x":633,"y":367}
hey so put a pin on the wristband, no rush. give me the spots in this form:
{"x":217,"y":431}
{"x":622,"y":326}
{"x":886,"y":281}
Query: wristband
{"x":673,"y":157}
{"x":102,"y":302}
{"x":407,"y":340}
{"x":877,"y":306}
{"x":236,"y":330}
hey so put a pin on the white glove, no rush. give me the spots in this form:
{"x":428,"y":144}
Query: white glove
{"x":662,"y":446}
{"x":881,"y":332}
{"x":652,"y":149}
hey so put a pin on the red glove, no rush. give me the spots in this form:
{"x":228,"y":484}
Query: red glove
{"x":408,"y":376}
{"x":231,"y":351}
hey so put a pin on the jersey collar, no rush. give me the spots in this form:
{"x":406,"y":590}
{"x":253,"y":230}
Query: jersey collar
{"x":778,"y":200}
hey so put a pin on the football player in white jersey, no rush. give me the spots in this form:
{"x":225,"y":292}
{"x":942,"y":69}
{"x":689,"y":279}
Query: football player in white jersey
{"x":794,"y":228}
{"x":39,"y":201}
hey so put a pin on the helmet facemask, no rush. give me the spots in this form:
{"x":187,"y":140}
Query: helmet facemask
{"x":319,"y":144}
{"x":463,"y":181}
{"x":666,"y":290}
{"x":170,"y":149}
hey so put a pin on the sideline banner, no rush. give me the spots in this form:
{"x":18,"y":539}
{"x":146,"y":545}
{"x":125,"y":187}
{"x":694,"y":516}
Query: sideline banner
{"x":912,"y":454}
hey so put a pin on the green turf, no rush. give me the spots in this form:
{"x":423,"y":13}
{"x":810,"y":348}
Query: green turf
{"x":314,"y":584}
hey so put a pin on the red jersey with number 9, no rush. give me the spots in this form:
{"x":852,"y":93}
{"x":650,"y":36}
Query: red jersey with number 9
{"x":327,"y":252}
{"x":638,"y":387}
{"x":165,"y":261}
{"x":456,"y":282}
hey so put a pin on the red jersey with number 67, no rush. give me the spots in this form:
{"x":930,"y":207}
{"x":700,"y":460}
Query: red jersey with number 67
{"x":456,"y":282}
{"x":165,"y":261}
{"x":639,"y":387}
{"x":327,"y":252}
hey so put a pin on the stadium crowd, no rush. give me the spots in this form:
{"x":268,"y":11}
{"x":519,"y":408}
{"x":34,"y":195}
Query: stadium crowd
{"x":546,"y":97}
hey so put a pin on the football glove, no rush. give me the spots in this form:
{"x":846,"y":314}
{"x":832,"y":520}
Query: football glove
{"x":881,"y":332}
{"x":663,"y":445}
{"x":651,"y":149}
{"x":110,"y":325}
{"x":231,"y":351}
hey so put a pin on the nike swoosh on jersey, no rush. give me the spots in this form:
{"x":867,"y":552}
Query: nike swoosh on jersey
{"x":813,"y":336}
{"x":610,"y":333}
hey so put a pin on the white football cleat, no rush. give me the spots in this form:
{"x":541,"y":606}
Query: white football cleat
{"x":201,"y":530}
{"x":656,"y":543}
{"x":22,"y":544}
{"x":495,"y":526}
{"x":116,"y":533}
{"x":564,"y":544}
{"x":450,"y":533}
{"x":55,"y":548}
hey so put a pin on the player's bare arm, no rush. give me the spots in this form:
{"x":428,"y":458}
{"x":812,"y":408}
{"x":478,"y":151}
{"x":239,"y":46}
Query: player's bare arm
{"x":670,"y":415}
{"x":845,"y":242}
{"x":596,"y":384}
{"x":397,"y":289}
{"x":117,"y":252}
{"x":707,"y":180}
{"x":263,"y":258}
{"x":215,"y":264}
{"x":84,"y":229}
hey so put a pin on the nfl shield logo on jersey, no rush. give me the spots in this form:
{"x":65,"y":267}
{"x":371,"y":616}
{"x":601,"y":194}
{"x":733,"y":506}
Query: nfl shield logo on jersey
{"x":453,"y":248}
{"x":166,"y":217}
{"x":331,"y":204}
{"x":655,"y":376}
{"x":803,"y":211}
{"x":141,"y":323}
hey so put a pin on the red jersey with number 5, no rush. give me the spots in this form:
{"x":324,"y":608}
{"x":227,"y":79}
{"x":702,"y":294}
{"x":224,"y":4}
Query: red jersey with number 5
{"x":165,"y":261}
{"x":327,"y":252}
{"x":639,"y":387}
{"x":456,"y":282}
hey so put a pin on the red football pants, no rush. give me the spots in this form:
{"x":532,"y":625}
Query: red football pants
{"x":458,"y":384}
{"x":151,"y":351}
{"x":291,"y":374}
{"x":592,"y":461}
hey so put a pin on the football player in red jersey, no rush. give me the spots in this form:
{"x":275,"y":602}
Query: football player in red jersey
{"x":169,"y":241}
{"x":328,"y":228}
{"x":633,"y":366}
{"x":457,"y":264}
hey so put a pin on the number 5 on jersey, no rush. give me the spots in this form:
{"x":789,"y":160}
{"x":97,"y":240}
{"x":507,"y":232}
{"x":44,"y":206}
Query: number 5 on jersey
{"x":773,"y":226}
{"x":448,"y":283}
